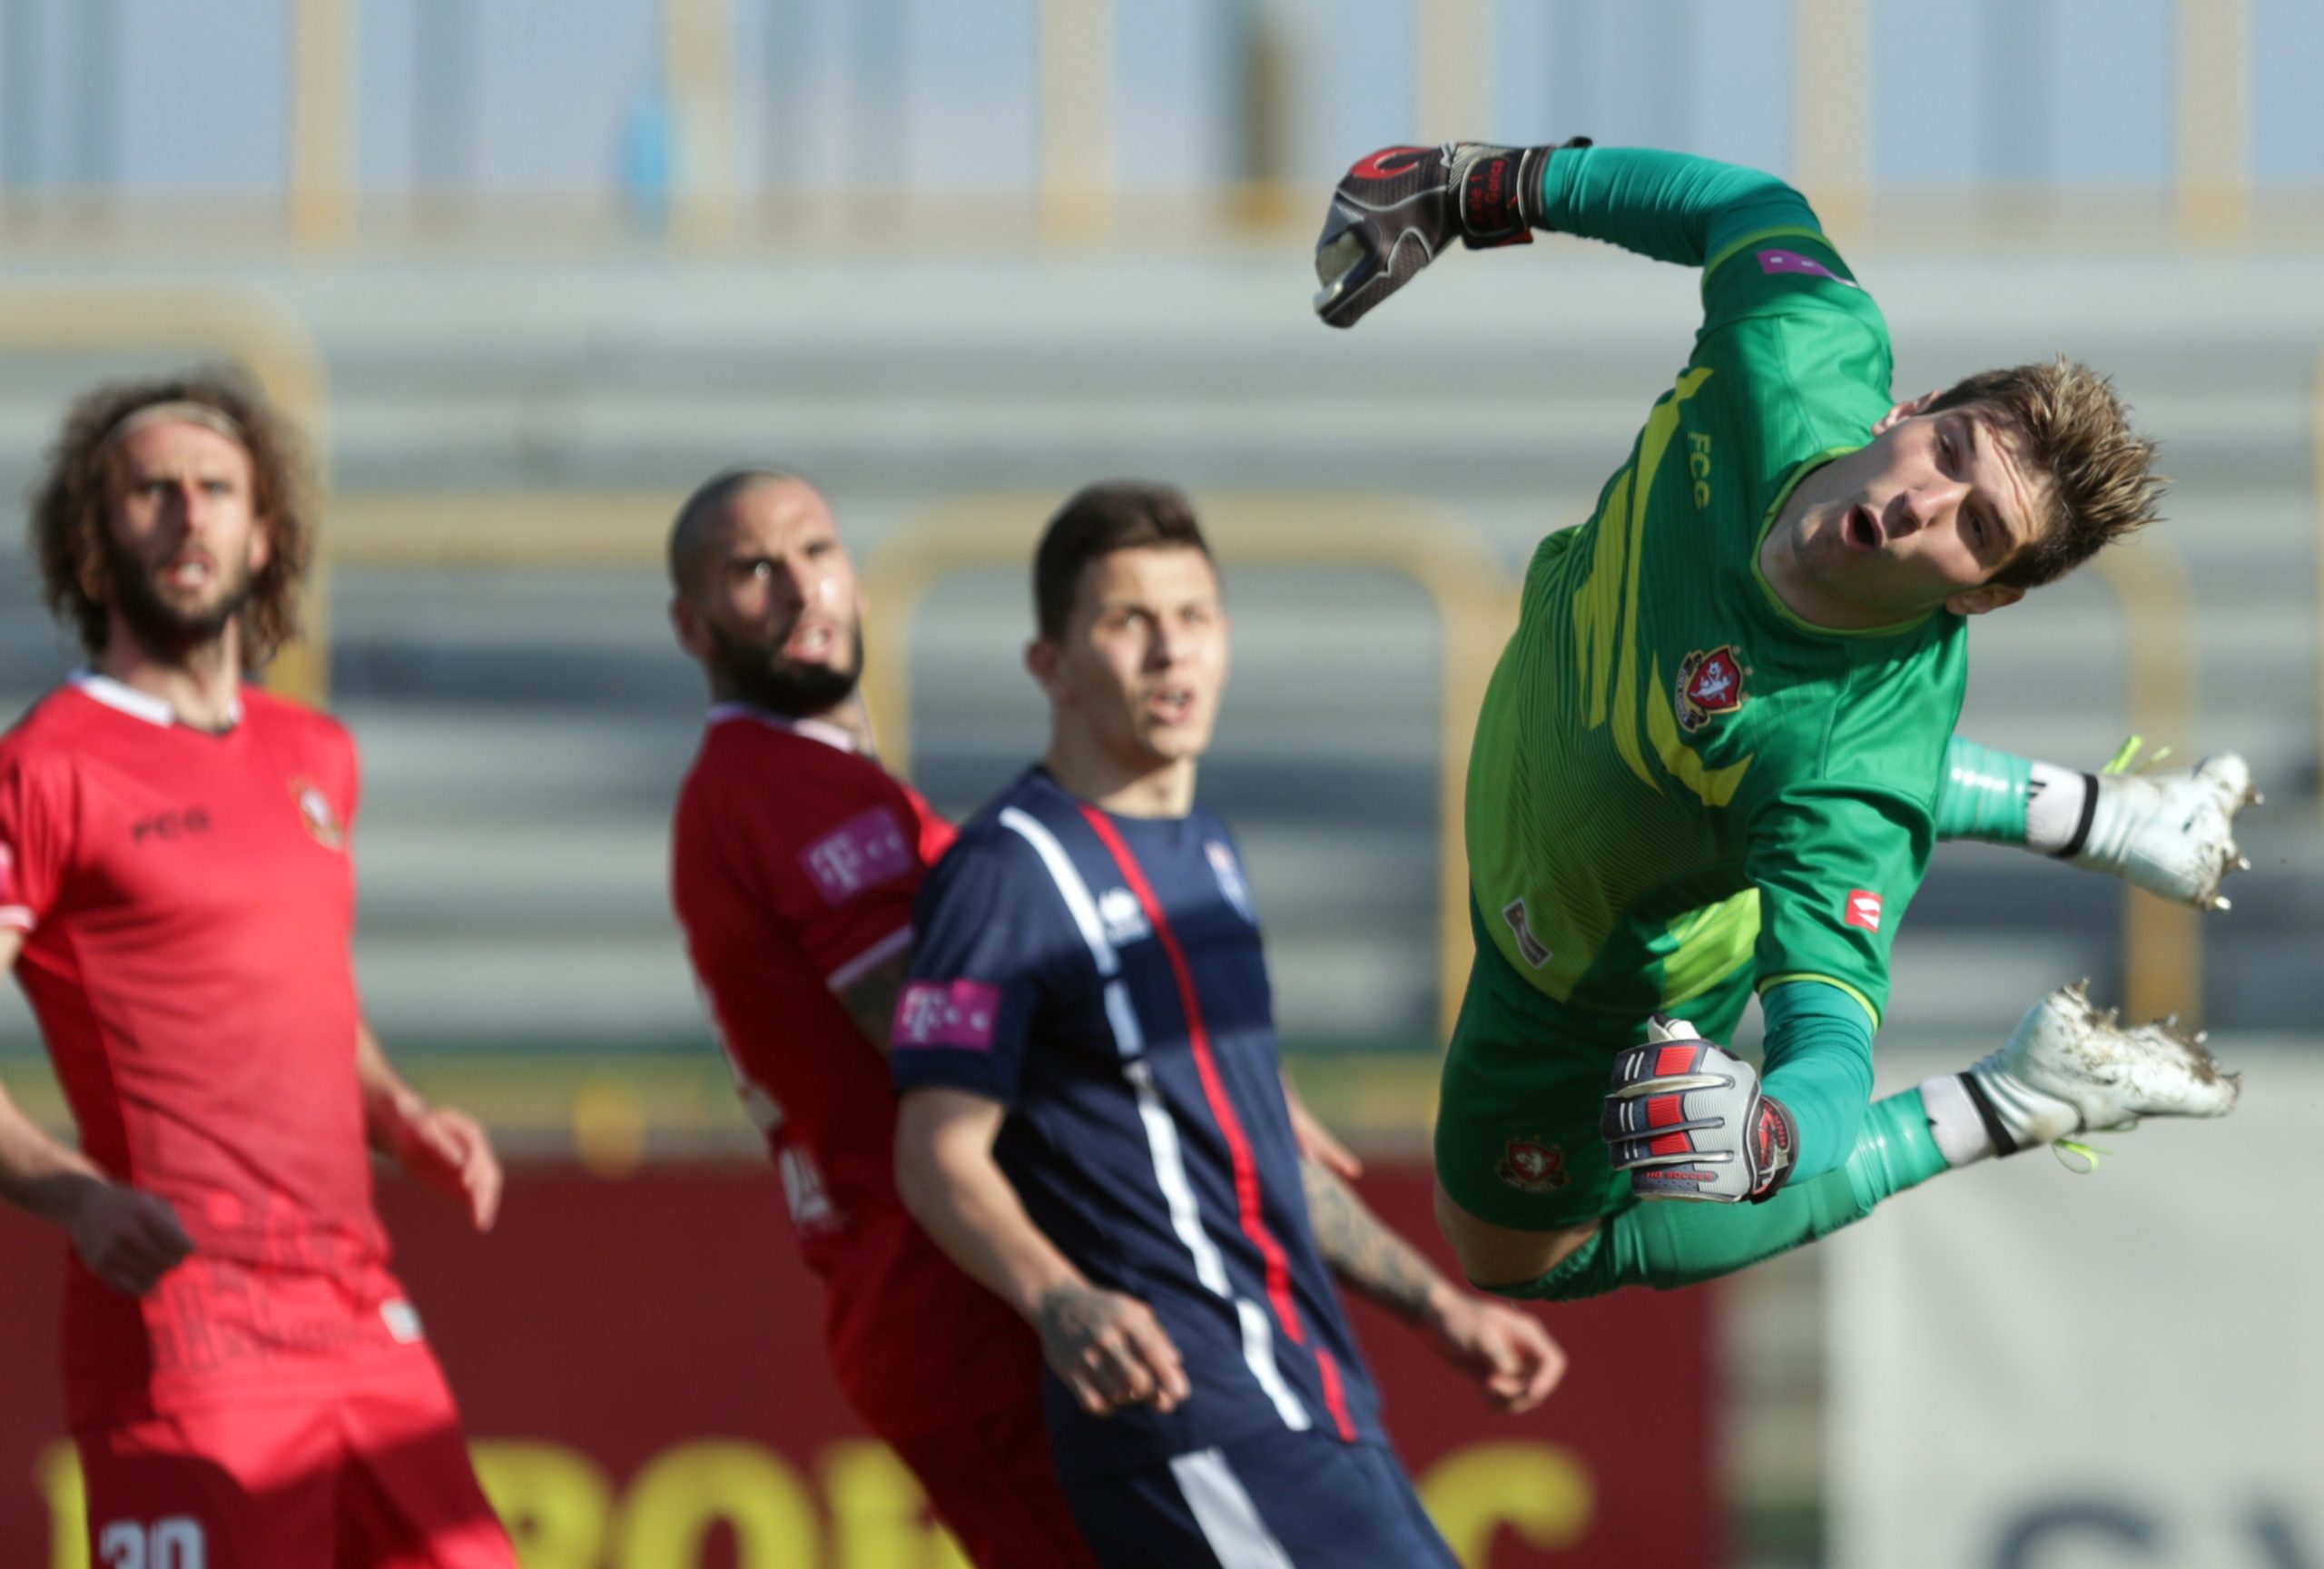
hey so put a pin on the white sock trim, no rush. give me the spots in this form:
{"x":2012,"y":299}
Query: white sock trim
{"x":1953,"y":1120}
{"x":2053,"y":801}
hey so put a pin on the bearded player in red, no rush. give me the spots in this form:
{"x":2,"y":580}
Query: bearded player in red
{"x":794,"y":861}
{"x":246,"y":1383}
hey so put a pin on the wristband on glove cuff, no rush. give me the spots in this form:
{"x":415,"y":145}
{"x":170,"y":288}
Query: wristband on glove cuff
{"x":1777,"y":1148}
{"x":1501,"y":193}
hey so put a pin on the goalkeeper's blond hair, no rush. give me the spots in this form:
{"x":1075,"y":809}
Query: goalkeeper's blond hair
{"x":2094,"y":475}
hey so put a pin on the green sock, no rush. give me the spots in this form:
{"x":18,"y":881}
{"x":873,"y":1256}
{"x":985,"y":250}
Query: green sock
{"x":1668,"y":1245}
{"x":1983,"y":795}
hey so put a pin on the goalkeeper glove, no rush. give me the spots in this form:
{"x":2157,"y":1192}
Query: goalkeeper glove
{"x":1394,"y":211}
{"x":1688,"y":1120}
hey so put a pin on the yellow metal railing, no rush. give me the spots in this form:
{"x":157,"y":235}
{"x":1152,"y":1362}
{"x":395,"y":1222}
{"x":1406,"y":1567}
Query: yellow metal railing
{"x":321,"y":206}
{"x":1074,"y":181}
{"x":2215,"y":119}
{"x":2162,"y":944}
{"x":1831,"y":126}
{"x":698,"y":80}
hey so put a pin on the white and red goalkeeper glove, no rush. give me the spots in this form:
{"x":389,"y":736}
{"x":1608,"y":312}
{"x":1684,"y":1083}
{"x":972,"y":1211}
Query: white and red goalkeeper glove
{"x":1687,"y":1119}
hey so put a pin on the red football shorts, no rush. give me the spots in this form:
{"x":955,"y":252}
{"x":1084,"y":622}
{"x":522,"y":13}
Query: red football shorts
{"x":990,"y":1481}
{"x":374,"y":1474}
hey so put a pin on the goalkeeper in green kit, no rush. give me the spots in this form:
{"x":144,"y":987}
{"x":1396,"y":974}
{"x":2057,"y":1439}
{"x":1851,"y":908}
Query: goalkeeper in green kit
{"x":1715,"y":754}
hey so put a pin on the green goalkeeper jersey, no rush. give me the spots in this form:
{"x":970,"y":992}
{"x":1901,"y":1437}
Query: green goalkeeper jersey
{"x":1673,"y":774}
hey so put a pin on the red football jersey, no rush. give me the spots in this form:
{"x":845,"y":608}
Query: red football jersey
{"x":795,"y":863}
{"x":187,"y":902}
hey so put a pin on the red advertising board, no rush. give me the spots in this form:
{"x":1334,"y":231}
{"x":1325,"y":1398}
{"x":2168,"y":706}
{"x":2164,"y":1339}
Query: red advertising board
{"x":640,"y":1368}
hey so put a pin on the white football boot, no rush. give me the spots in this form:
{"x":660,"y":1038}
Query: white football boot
{"x":2171,"y":834}
{"x":2070,"y":1068}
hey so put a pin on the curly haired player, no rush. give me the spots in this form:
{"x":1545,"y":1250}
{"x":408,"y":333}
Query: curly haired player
{"x":246,"y":1383}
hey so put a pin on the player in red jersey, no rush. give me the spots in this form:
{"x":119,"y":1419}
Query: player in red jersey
{"x":796,"y":863}
{"x":246,"y":1383}
{"x":795,"y":858}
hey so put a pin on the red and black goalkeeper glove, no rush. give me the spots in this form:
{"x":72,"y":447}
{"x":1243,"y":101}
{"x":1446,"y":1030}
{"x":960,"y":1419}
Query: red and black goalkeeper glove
{"x":1688,"y":1120}
{"x":1392,"y":212}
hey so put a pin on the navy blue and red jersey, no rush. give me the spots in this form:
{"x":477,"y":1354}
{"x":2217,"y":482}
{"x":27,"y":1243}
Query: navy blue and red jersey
{"x":1102,"y":977}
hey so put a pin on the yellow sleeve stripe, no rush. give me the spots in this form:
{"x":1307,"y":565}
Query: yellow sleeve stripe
{"x":1771,"y":982}
{"x":1792,"y":232}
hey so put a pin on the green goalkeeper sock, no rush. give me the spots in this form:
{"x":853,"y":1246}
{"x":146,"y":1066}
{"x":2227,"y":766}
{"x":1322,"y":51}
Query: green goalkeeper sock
{"x":1669,"y":1245}
{"x":2004,"y":799}
{"x":1983,"y":795}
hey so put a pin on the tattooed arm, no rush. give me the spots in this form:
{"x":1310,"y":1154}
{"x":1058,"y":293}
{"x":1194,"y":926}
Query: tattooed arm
{"x":1504,"y":1347}
{"x":1365,"y":1254}
{"x":1108,"y":1349}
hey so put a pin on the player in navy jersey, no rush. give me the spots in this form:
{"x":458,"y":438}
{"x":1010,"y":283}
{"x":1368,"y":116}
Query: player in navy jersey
{"x":1093,"y":1121}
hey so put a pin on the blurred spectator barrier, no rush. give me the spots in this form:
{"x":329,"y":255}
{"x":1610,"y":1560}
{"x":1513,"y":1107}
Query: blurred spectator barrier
{"x":641,"y":1371}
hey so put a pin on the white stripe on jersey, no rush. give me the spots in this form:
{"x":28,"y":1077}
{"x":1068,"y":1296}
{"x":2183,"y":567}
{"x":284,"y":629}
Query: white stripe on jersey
{"x":1258,"y":1355}
{"x":1222,"y":1511}
{"x":1170,"y":1167}
{"x":1161,"y":1133}
{"x":1069,"y":885}
{"x":1129,"y":1035}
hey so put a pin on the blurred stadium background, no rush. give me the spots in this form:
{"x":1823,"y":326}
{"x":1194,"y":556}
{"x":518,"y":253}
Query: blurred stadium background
{"x":530,"y":269}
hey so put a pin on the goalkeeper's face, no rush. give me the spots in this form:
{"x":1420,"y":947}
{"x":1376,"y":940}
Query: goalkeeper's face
{"x":1923,"y":516}
{"x":1137,"y":675}
{"x":777,"y":613}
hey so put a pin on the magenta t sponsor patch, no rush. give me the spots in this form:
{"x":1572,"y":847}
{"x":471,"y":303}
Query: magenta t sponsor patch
{"x":948,"y":1013}
{"x":867,"y":850}
{"x":1793,"y":261}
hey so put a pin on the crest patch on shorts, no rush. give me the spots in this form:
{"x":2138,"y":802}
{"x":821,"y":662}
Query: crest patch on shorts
{"x":1531,"y":1166}
{"x":1710,"y":683}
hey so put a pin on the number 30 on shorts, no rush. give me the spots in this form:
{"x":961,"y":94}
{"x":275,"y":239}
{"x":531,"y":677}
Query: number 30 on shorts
{"x":174,"y":1543}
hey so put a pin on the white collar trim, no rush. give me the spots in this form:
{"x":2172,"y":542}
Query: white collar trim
{"x":129,"y":700}
{"x":821,"y":730}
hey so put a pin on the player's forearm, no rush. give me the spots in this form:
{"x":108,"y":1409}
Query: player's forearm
{"x":388,"y":1103}
{"x":38,"y":1173}
{"x":1819,"y":1065}
{"x":1365,"y":1254}
{"x":1671,"y":206}
{"x":963,"y":1201}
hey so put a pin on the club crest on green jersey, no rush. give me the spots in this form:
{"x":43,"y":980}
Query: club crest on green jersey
{"x":1709,"y":684}
{"x":1531,"y":1166}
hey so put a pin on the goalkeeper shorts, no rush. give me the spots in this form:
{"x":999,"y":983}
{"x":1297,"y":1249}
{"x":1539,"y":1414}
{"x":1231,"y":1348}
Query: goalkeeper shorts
{"x":1517,"y":1141}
